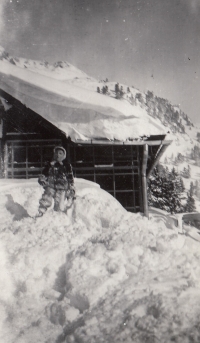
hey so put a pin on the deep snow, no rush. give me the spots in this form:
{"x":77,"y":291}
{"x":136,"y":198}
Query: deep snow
{"x":103,"y":275}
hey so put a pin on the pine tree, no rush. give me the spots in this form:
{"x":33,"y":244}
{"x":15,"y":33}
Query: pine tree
{"x":165,"y":160}
{"x":180,"y":157}
{"x":119,"y":91}
{"x":190,"y":204}
{"x":149,"y":94}
{"x":195,"y":154}
{"x":197,"y":189}
{"x":189,"y":170}
{"x":166,"y":170}
{"x":174,"y":192}
{"x":116,"y":87}
{"x":132,"y":99}
{"x":196,"y":186}
{"x":165,"y":190}
{"x":191,"y":188}
{"x":173,"y":174}
{"x":176,"y":161}
{"x":104,"y":90}
{"x":156,"y":189}
{"x":186,"y":172}
{"x":182,"y":187}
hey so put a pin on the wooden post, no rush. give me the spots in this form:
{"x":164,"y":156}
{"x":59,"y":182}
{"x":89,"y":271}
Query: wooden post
{"x":27,"y":161}
{"x":113,"y":175}
{"x":139,"y":173}
{"x":1,"y":160}
{"x":6,"y":160}
{"x":144,"y":180}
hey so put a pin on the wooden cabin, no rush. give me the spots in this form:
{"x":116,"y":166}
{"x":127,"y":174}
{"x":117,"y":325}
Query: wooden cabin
{"x":121,"y":168}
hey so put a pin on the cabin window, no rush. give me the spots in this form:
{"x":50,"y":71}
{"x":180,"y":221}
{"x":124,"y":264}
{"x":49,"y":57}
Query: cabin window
{"x":26,"y":159}
{"x":103,"y":155}
{"x":124,"y":182}
{"x":114,"y":167}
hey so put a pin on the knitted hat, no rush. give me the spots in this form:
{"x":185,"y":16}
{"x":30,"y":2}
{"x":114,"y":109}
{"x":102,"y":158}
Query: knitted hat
{"x":60,"y":148}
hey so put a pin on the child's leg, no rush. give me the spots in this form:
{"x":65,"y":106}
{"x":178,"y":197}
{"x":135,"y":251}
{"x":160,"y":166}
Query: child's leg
{"x":59,"y":200}
{"x":46,"y":200}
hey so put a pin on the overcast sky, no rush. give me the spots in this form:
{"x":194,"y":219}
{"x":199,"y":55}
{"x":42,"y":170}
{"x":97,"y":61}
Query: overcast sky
{"x":150,"y":44}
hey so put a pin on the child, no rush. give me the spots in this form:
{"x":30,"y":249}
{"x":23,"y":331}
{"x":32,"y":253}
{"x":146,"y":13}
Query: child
{"x":57,"y":180}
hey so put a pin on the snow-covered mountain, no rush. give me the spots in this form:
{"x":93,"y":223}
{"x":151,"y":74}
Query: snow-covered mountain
{"x":60,"y":70}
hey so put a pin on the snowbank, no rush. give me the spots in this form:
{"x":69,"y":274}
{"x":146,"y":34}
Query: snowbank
{"x":98,"y":274}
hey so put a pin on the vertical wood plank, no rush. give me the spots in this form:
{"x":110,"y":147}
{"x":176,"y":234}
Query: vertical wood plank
{"x":12,"y":160}
{"x":27,"y":160}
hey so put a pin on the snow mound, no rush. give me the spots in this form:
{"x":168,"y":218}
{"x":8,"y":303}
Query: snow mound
{"x":97,"y":274}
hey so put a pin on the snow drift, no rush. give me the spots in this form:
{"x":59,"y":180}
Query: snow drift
{"x":104,"y":275}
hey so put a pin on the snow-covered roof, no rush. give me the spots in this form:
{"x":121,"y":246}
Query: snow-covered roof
{"x":75,"y":108}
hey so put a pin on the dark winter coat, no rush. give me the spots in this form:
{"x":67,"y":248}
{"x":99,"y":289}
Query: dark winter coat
{"x":57,"y":175}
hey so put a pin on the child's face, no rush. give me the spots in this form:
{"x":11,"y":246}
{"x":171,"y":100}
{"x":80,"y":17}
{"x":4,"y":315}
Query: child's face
{"x":59,"y":155}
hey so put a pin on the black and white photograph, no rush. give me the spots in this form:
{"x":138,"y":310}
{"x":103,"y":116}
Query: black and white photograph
{"x":99,"y":171}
